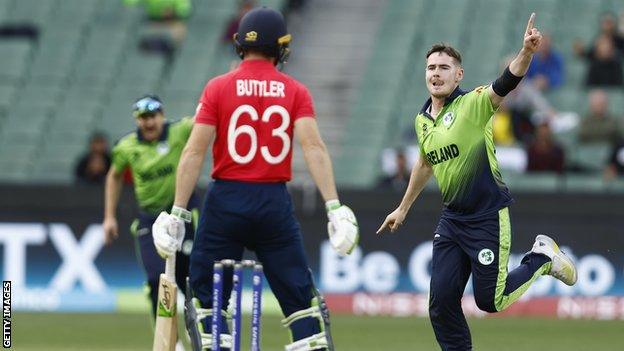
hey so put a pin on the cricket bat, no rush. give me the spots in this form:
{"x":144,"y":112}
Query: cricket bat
{"x":166,"y":331}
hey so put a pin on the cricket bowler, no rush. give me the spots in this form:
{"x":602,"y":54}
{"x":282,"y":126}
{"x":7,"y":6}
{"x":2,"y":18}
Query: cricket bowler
{"x":454,"y":130}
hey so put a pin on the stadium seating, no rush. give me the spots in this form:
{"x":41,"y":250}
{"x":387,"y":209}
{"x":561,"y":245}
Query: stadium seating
{"x":85,"y":70}
{"x":378,"y":97}
{"x":480,"y":29}
{"x":16,"y":55}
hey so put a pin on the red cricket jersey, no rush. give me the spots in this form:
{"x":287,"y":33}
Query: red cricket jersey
{"x":253,"y":108}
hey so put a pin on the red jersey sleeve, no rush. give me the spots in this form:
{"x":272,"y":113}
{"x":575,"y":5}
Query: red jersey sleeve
{"x":304,"y":106}
{"x":207,"y":109}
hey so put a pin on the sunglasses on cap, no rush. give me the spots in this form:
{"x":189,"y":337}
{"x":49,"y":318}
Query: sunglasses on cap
{"x":146,"y":107}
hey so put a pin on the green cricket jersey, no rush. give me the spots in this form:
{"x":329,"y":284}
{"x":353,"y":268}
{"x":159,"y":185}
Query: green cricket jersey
{"x":459,"y":146}
{"x":153,"y":164}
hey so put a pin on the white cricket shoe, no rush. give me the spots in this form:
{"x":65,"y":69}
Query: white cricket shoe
{"x":562,"y":266}
{"x":179,"y":346}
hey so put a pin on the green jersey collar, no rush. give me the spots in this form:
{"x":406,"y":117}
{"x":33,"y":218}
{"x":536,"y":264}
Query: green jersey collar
{"x":454,"y":95}
{"x":163,"y":136}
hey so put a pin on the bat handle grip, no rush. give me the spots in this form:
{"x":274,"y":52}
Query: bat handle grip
{"x":170,"y":268}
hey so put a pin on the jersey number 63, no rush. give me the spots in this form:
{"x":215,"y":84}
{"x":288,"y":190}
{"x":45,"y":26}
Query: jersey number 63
{"x":279,"y":132}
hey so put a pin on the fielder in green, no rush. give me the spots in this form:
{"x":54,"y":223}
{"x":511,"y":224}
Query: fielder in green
{"x":152,"y":153}
{"x":454,"y":130}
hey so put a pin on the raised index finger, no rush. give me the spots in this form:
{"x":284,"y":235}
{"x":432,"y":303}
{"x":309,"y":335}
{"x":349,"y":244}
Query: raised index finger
{"x":530,"y":24}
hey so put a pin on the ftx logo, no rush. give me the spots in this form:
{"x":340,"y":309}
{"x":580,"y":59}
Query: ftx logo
{"x":77,"y":256}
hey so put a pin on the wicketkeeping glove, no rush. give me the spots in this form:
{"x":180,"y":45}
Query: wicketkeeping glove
{"x":343,"y":229}
{"x":168,"y":231}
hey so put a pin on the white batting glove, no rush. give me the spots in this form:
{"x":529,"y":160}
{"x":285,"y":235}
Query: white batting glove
{"x":343,"y":229}
{"x":168,"y":231}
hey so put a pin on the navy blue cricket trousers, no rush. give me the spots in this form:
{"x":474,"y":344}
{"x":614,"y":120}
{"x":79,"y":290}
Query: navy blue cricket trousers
{"x":259,"y":217}
{"x":479,"y":247}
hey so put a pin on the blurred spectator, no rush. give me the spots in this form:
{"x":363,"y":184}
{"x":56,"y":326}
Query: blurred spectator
{"x":502,"y":127}
{"x":519,"y":107}
{"x":244,"y":6}
{"x":523,"y":104}
{"x":93,"y":165}
{"x":292,"y":7}
{"x":232,"y":26}
{"x":605,"y":54}
{"x":608,"y":29}
{"x":398,"y":177}
{"x":620,"y":28}
{"x":167,"y":28}
{"x":544,"y":155}
{"x":605,"y":64}
{"x":598,"y":124}
{"x":546,"y":69}
{"x":609,"y":26}
{"x":164,"y":10}
{"x":615,"y":168}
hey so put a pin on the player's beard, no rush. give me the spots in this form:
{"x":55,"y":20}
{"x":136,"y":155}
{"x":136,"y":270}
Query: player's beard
{"x":151,"y":134}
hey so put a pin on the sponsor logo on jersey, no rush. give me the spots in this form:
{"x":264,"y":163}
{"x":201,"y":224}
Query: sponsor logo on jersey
{"x":158,"y":173}
{"x":443,"y":154}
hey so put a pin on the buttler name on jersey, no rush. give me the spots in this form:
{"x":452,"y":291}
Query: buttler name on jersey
{"x":443,"y":154}
{"x":252,"y":87}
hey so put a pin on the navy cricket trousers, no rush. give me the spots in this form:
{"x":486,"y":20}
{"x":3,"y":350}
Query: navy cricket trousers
{"x":259,"y":217}
{"x":479,"y":247}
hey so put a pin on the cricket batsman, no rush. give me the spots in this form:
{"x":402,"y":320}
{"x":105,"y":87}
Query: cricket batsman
{"x":152,"y":153}
{"x":252,"y":114}
{"x":454,"y":130}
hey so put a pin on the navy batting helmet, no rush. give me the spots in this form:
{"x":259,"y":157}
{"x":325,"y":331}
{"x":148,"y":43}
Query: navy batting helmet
{"x":263,"y":29}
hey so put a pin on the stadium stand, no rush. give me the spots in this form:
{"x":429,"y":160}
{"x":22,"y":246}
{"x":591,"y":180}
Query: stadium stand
{"x":370,"y":121}
{"x":475,"y":34}
{"x":330,"y":58}
{"x":85,"y":70}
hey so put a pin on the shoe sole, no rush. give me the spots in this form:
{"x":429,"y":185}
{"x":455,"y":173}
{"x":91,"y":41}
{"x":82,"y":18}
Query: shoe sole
{"x":560,"y":254}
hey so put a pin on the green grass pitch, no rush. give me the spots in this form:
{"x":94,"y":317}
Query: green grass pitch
{"x":133,"y":332}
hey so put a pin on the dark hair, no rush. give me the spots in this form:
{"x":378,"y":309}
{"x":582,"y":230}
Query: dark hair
{"x":98,"y":135}
{"x":447,"y":49}
{"x":266,"y":51}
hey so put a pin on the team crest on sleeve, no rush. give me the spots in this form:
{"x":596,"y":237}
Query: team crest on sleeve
{"x":448,"y":119}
